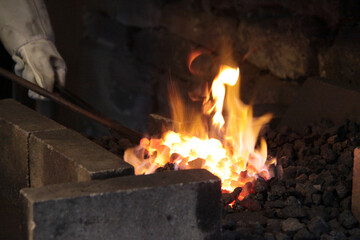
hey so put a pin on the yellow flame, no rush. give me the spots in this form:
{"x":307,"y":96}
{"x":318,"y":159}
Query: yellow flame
{"x":226,"y":76}
{"x":232,"y":155}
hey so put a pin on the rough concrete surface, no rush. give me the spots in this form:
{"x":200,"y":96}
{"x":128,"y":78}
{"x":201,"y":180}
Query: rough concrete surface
{"x":168,"y":205}
{"x":66,"y":156}
{"x":36,"y":151}
{"x":17,"y":123}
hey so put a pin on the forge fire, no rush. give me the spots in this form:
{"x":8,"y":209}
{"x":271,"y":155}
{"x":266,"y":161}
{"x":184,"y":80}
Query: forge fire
{"x":226,"y":146}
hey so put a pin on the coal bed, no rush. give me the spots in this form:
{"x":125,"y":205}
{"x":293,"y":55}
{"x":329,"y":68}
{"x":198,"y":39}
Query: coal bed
{"x":309,"y":196}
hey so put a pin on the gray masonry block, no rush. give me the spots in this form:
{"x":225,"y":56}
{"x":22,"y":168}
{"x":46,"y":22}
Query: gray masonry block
{"x":36,"y":151}
{"x":168,"y":205}
{"x":17,"y":123}
{"x":355,"y":201}
{"x":66,"y":156}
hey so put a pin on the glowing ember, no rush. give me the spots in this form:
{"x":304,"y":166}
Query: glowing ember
{"x":227,"y":148}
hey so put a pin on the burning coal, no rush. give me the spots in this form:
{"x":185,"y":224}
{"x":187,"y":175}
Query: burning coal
{"x":226,"y":146}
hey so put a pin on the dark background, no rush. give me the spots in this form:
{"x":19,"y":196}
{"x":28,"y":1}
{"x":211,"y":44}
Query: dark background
{"x":121,"y":54}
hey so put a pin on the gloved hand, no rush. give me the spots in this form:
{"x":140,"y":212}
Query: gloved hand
{"x":40,"y":63}
{"x":26,"y":33}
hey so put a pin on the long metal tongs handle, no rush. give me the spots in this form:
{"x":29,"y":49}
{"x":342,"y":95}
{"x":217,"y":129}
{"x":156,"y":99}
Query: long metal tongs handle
{"x":91,"y":113}
{"x":76,"y":100}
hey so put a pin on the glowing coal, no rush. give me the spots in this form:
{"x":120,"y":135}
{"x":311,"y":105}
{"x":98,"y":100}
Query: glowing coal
{"x":225,"y":146}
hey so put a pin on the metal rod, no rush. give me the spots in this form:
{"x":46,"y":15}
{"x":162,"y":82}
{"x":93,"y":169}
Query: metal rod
{"x":133,"y":135}
{"x":76,"y":100}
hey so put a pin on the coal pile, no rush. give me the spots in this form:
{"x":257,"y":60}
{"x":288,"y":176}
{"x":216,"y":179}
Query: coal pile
{"x":309,"y":196}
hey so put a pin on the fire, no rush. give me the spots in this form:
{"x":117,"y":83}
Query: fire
{"x":227,"y":76}
{"x":225,"y":146}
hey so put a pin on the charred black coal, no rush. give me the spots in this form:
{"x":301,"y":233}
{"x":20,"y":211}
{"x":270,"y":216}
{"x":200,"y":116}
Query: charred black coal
{"x":310,"y":195}
{"x":312,"y":198}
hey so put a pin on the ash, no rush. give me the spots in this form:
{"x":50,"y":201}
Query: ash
{"x":309,"y":196}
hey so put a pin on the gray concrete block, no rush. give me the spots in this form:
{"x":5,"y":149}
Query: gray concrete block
{"x":320,"y":99}
{"x":25,"y":118}
{"x":167,"y":205}
{"x":66,"y":156}
{"x":355,"y":198}
{"x":17,"y":123}
{"x":27,"y":158}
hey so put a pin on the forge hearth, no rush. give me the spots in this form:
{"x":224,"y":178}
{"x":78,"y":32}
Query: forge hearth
{"x":62,"y":197}
{"x":309,"y":197}
{"x":127,"y":51}
{"x":311,"y":194}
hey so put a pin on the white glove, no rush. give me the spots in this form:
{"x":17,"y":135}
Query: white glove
{"x":26,"y":33}
{"x":40,"y":63}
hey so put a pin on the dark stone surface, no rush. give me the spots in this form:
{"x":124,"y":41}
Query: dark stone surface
{"x":342,"y":191}
{"x":107,"y":32}
{"x":265,"y":91}
{"x":317,"y":193}
{"x":303,"y":234}
{"x":282,"y":236}
{"x":169,"y":205}
{"x":276,"y":192}
{"x":269,"y":236}
{"x":282,"y":46}
{"x":138,"y":13}
{"x":334,"y":235}
{"x":319,"y":99}
{"x":163,"y":50}
{"x":291,"y":212}
{"x":347,"y":158}
{"x":284,"y":36}
{"x":273,"y":225}
{"x":211,"y":31}
{"x":328,"y":11}
{"x":341,"y":61}
{"x":111,"y":80}
{"x":316,"y":198}
{"x":347,"y":219}
{"x":291,"y":225}
{"x":318,"y":226}
{"x":328,"y":154}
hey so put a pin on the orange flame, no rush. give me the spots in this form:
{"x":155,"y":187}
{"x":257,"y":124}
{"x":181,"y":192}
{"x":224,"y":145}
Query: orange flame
{"x":227,"y":76}
{"x":232,"y":155}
